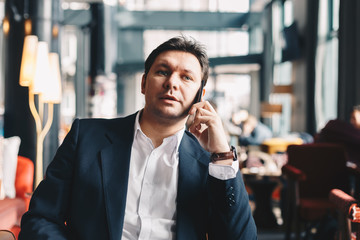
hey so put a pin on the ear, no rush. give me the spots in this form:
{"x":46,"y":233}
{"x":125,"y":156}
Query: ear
{"x":203,"y":93}
{"x":143,"y":83}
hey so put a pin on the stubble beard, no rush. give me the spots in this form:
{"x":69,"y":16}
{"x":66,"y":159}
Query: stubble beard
{"x":170,"y":115}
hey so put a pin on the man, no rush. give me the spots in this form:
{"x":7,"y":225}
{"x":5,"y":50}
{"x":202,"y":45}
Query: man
{"x":254,"y":132}
{"x":143,"y":176}
{"x":355,"y":117}
{"x":344,"y":133}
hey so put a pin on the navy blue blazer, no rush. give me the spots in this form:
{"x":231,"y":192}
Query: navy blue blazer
{"x":83,"y":195}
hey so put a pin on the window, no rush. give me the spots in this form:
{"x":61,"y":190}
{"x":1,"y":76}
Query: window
{"x":326,"y":78}
{"x":218,"y":43}
{"x":282,"y":16}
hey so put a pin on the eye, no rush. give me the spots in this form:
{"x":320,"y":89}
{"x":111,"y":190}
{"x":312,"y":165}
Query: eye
{"x":164,"y":73}
{"x":187,"y":78}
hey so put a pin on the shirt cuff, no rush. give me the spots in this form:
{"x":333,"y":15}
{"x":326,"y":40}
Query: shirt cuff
{"x":224,"y":172}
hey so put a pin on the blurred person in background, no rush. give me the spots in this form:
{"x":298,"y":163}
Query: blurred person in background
{"x":346,"y":134}
{"x":355,"y":117}
{"x":254,"y":132}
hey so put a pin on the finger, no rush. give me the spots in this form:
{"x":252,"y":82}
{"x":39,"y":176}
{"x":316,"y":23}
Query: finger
{"x":201,"y":124}
{"x":196,"y":124}
{"x":206,"y":112}
{"x":196,"y":106}
{"x":196,"y":130}
{"x":209,"y":107}
{"x":204,"y":116}
{"x":199,"y":131}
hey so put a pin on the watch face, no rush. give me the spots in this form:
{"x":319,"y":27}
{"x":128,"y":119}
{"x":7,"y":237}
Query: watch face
{"x":233,"y":149}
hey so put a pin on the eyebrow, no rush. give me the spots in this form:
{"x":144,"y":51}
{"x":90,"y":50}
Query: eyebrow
{"x":166,"y":65}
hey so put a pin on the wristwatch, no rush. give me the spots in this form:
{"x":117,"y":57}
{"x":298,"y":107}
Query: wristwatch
{"x":224,"y":155}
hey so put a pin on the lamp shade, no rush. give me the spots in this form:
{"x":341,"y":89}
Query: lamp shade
{"x":28,"y":61}
{"x":52,"y":94}
{"x":42,"y":69}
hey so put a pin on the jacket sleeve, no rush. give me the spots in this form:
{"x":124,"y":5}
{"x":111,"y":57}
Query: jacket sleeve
{"x":230,"y":213}
{"x":50,"y":201}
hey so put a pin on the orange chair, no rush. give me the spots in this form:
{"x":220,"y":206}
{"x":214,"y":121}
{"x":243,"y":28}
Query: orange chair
{"x":24,"y":179}
{"x":311,"y":172}
{"x":11,"y":210}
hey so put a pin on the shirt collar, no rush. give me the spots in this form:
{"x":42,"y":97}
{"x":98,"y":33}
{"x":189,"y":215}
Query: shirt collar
{"x":178,"y":135}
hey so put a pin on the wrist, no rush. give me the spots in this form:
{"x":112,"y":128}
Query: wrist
{"x":224,"y":162}
{"x":224,"y":157}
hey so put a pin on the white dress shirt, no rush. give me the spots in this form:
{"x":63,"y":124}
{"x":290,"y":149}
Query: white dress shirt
{"x":150,"y":211}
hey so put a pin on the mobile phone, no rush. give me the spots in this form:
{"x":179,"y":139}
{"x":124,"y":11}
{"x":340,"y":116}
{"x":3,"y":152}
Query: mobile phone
{"x":199,"y":93}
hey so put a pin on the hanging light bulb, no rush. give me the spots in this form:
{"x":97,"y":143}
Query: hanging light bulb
{"x":28,"y":26}
{"x":6,"y":25}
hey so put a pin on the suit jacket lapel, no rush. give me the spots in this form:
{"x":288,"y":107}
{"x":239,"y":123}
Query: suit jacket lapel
{"x":115,"y":161}
{"x":193,"y":171}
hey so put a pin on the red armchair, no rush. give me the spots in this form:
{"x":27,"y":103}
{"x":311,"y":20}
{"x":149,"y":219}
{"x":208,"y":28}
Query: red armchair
{"x":348,"y":211}
{"x":311,"y":172}
{"x":11,"y":210}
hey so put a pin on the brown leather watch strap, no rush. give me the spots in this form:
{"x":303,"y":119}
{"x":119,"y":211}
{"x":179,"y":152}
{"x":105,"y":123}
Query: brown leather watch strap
{"x":224,"y":155}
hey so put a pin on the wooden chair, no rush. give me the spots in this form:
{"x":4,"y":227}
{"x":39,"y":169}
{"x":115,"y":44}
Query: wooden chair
{"x":312,"y":171}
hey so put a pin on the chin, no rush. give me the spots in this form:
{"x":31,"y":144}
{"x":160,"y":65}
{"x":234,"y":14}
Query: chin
{"x":171,"y":114}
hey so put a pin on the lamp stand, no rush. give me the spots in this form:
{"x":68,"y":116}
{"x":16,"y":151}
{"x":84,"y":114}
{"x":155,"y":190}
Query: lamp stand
{"x":40,"y":72}
{"x":40,"y":131}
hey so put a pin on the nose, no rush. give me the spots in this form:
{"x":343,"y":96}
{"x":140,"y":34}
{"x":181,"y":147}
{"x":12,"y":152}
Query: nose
{"x":172,"y":82}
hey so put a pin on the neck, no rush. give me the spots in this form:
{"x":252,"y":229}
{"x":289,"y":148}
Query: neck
{"x":158,"y":129}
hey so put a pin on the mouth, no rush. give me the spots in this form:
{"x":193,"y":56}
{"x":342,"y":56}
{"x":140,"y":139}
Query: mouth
{"x":169,"y":97}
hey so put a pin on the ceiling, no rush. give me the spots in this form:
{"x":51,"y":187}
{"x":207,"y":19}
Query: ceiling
{"x":256,"y":5}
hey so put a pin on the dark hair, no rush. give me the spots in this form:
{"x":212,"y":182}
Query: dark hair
{"x":356,"y":108}
{"x":181,"y":44}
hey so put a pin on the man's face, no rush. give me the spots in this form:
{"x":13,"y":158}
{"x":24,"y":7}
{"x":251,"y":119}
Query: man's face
{"x":171,"y":85}
{"x":355,"y":119}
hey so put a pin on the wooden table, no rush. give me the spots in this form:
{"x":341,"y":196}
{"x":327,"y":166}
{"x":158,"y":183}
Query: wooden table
{"x":274,"y":145}
{"x":262,"y":185}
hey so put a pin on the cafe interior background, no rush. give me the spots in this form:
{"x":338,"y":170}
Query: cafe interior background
{"x":293,"y":64}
